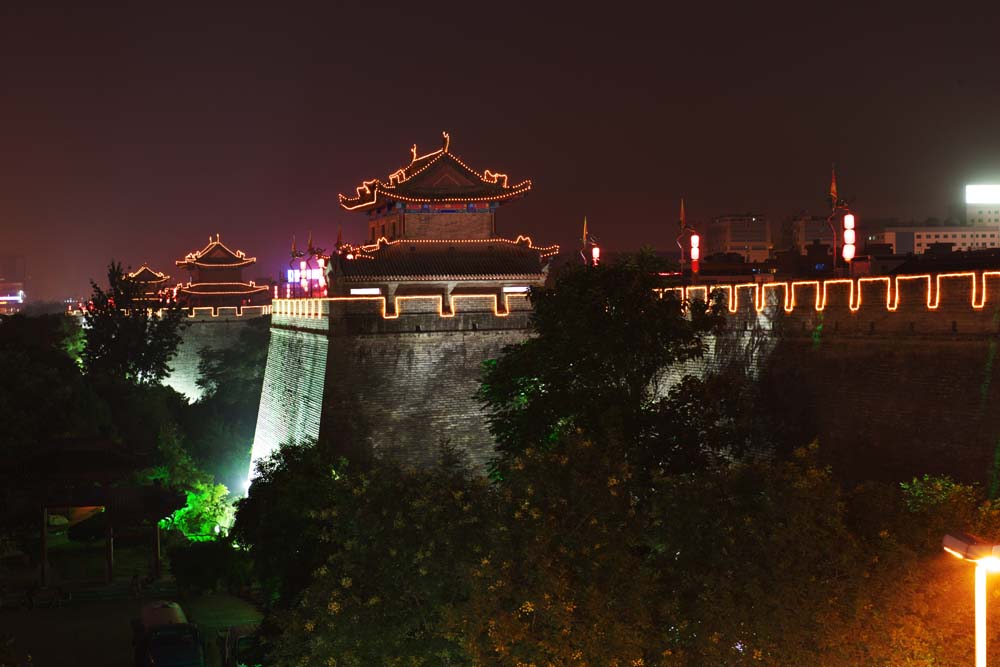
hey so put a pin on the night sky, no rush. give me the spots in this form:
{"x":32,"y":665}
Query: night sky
{"x":135,"y":133}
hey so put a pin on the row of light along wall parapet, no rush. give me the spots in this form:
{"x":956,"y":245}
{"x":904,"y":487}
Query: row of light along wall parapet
{"x":216,"y":311}
{"x":314,"y":308}
{"x":886,"y":291}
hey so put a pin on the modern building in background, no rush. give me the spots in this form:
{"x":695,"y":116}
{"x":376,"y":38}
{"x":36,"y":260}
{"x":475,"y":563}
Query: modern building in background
{"x":918,"y":239}
{"x":747,"y":235}
{"x":806,"y":230}
{"x":982,"y":204}
{"x":12,"y":276}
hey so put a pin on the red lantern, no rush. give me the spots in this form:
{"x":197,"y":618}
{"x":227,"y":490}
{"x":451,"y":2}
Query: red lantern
{"x":850,"y":236}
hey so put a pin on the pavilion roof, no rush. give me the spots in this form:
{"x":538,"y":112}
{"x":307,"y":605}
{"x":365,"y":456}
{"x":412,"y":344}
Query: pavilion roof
{"x":216,"y":255}
{"x":437,"y":177}
{"x":209,"y":289}
{"x":144,"y":274}
{"x":483,"y":259}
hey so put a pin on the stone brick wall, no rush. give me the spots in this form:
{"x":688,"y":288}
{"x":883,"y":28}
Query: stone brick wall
{"x":405,"y":386}
{"x":434,"y":225}
{"x":216,"y":332}
{"x":887,"y":393}
{"x":888,"y":385}
{"x":389,"y":226}
{"x":294,"y":380}
{"x":448,"y":225}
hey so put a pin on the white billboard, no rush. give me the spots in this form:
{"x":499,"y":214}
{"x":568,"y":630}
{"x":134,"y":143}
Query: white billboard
{"x":982,"y":194}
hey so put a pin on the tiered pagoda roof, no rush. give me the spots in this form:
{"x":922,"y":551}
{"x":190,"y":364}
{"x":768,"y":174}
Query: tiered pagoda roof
{"x":144,"y":274}
{"x":419,"y":260}
{"x":221,"y":289}
{"x":217,"y":275}
{"x":437,"y":177}
{"x":215,"y":256}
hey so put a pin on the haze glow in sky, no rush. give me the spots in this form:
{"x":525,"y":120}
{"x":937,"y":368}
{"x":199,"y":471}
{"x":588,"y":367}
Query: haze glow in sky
{"x":134,"y":133}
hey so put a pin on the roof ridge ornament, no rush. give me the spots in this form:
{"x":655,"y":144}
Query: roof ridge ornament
{"x":488,"y":186}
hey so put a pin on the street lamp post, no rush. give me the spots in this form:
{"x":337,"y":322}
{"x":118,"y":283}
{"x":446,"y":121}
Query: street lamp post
{"x":986,"y":556}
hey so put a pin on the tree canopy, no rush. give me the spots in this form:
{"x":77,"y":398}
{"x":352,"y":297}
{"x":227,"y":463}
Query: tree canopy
{"x":603,"y":336}
{"x":127,"y":340}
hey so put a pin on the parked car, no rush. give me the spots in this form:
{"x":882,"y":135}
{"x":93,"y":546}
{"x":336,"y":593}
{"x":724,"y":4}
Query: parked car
{"x":239,"y":647}
{"x":163,"y":637}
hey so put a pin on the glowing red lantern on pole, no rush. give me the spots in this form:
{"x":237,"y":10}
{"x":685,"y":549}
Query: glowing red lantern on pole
{"x":595,"y":255}
{"x":850,"y":236}
{"x":695,"y":252}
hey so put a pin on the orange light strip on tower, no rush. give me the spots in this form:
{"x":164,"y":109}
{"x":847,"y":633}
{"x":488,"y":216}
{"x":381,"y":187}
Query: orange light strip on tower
{"x":546,"y":251}
{"x":402,"y":175}
{"x":315,"y":308}
{"x":495,"y":177}
{"x":516,"y":190}
{"x":160,"y":277}
{"x":192,"y":257}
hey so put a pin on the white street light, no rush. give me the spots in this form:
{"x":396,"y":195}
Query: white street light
{"x":986,"y":556}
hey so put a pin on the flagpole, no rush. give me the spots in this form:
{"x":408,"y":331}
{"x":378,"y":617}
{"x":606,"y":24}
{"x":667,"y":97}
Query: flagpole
{"x":833,"y":212}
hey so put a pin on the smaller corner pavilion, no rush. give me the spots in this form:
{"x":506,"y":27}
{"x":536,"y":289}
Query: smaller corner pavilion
{"x":216,"y":278}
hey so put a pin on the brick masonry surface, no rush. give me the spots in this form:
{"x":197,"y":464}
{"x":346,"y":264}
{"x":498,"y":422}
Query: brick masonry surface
{"x":889,"y":393}
{"x":216,"y":333}
{"x":292,"y":396}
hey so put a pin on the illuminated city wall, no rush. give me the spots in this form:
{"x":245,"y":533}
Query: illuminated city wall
{"x":403,"y":386}
{"x":216,"y":329}
{"x":291,"y":401}
{"x":893,"y":376}
{"x":896,"y":374}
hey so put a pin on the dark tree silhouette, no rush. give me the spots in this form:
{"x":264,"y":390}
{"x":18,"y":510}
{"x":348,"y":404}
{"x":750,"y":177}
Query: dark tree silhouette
{"x":128,"y":338}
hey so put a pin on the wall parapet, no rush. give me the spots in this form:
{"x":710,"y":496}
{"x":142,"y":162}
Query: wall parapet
{"x":445,"y":306}
{"x":973,"y":289}
{"x":228,"y":311}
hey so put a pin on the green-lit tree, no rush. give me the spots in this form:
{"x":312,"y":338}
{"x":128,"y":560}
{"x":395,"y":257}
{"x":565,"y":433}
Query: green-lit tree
{"x":127,"y":340}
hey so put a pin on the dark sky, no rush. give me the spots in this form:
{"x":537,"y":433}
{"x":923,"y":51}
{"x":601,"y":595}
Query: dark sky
{"x":135,"y":133}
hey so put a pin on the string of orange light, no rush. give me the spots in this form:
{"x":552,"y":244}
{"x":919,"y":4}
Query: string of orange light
{"x":371,"y":187}
{"x":315,"y":308}
{"x":889,"y":290}
{"x":546,"y":251}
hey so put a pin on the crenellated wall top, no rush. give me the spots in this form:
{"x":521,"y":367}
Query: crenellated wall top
{"x":971,"y":289}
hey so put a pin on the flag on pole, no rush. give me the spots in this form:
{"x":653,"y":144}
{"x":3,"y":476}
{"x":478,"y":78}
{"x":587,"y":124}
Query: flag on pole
{"x":833,"y":185}
{"x":584,"y":231}
{"x":683,"y":218}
